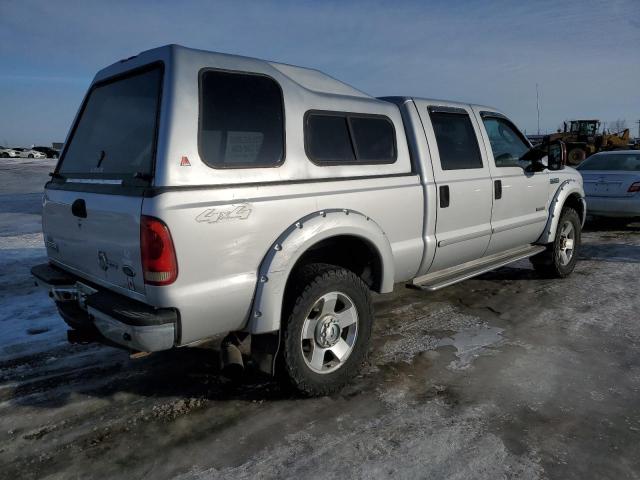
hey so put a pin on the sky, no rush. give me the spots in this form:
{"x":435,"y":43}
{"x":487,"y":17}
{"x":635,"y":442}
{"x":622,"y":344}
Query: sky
{"x":584,"y":55}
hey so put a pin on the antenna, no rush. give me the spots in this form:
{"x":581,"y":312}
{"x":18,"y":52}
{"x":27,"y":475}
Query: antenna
{"x":538,"y":107}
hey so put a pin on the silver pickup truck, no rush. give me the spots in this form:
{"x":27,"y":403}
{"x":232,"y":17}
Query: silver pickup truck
{"x":200,"y":194}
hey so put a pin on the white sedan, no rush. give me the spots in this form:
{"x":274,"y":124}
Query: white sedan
{"x":9,"y":153}
{"x":612,"y":184}
{"x":21,"y":153}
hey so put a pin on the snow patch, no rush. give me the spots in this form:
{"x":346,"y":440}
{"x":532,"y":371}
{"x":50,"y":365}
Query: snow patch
{"x":29,"y":320}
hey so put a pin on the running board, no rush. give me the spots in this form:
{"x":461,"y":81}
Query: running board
{"x":449,"y":276}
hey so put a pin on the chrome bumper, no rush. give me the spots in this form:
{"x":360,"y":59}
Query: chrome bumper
{"x":125,"y":322}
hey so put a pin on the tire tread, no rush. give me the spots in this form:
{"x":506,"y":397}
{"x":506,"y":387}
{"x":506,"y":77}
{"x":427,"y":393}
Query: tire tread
{"x":545,"y":263}
{"x":309,"y":278}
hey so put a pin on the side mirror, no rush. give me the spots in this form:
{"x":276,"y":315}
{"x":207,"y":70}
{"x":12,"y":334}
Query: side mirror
{"x":536,"y":166}
{"x":534,"y":156}
{"x":557,"y":155}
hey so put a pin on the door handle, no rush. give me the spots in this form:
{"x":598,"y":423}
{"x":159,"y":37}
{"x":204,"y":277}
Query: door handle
{"x":444,"y":196}
{"x":79,"y":208}
{"x":497,"y":189}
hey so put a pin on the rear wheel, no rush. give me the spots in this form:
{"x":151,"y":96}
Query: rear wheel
{"x":560,"y":257}
{"x":326,"y":335}
{"x":30,"y":155}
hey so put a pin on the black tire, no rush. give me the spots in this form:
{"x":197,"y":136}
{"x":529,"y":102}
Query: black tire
{"x":30,"y":156}
{"x":551,"y":263}
{"x":4,"y":155}
{"x":576,"y":156}
{"x":309,"y":286}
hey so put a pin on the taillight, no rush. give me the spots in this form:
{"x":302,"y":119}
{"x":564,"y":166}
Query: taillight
{"x":634,"y":187}
{"x":159,"y":262}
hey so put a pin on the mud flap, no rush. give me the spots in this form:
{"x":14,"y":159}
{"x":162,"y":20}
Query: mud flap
{"x":264,"y":351}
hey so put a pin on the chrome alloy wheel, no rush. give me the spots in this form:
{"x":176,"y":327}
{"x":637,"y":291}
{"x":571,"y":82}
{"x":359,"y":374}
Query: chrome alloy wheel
{"x":567,"y":243}
{"x":329,"y":332}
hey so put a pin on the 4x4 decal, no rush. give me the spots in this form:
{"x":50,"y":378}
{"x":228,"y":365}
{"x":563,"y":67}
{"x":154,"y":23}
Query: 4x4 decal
{"x":232,"y":212}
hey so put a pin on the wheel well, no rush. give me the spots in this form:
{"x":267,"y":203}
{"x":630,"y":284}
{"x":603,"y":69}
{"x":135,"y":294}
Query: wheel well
{"x":573,"y":201}
{"x":350,"y":252}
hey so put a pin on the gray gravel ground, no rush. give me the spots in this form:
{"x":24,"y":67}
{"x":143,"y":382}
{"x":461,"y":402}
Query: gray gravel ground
{"x":503,"y":376}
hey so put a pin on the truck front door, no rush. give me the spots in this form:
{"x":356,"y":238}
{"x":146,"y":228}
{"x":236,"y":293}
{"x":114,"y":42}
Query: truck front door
{"x":463,"y":184}
{"x":520,"y":204}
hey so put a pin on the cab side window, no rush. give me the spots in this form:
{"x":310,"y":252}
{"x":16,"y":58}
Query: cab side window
{"x":241,"y":120}
{"x":456,"y":139}
{"x":506,"y":143}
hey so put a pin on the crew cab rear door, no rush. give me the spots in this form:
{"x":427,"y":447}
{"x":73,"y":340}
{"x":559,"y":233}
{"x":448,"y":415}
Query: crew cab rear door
{"x":463,"y":183}
{"x":92,"y":206}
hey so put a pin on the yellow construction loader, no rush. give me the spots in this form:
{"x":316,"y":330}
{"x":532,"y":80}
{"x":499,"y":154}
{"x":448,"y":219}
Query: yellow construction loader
{"x":583,"y":138}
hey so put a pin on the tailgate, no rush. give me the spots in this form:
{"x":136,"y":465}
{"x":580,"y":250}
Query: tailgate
{"x":104,"y":245}
{"x":91,"y":211}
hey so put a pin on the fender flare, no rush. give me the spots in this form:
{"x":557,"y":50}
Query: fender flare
{"x":566,"y":188}
{"x":279,"y":261}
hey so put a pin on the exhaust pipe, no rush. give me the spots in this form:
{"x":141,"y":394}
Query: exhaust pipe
{"x":231,"y":349}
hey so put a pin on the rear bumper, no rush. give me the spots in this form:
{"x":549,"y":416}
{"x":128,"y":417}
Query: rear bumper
{"x":120,"y":320}
{"x":614,"y":206}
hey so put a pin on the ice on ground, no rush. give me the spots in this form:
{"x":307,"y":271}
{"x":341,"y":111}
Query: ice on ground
{"x":25,"y":331}
{"x":471,"y":338}
{"x":413,"y":440}
{"x":471,"y":343}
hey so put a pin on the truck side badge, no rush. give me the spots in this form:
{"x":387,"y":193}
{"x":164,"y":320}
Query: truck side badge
{"x":184,"y":162}
{"x":232,"y":212}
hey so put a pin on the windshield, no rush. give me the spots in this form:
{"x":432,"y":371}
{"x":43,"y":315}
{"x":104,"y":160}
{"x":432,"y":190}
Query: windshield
{"x":584,"y":128}
{"x":116,"y":131}
{"x":612,"y":161}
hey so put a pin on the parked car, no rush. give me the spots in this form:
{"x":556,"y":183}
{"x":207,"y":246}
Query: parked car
{"x":268,"y":201}
{"x":32,"y":153}
{"x":17,"y":152}
{"x":11,"y":152}
{"x":48,"y":152}
{"x":612,"y":185}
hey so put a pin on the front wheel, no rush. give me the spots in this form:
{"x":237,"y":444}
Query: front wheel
{"x":326,"y":335}
{"x":560,"y":257}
